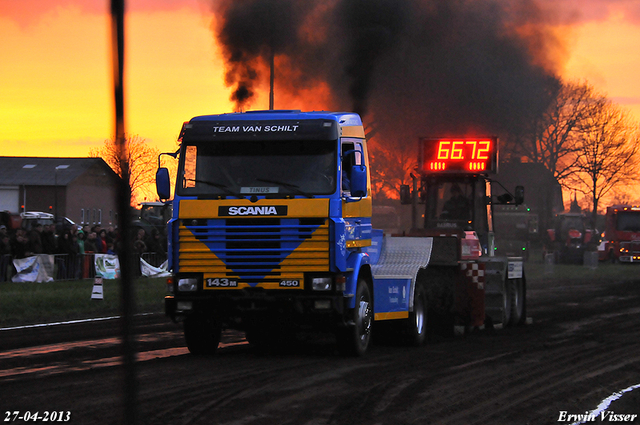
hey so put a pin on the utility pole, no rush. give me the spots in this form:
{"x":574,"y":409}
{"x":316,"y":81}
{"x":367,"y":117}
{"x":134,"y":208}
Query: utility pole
{"x":129,"y":384}
{"x":271,"y":79}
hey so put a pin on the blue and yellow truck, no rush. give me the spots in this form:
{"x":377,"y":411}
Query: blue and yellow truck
{"x":271,"y":233}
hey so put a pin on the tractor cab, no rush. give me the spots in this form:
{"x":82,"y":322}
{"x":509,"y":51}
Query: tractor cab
{"x":454,"y":186}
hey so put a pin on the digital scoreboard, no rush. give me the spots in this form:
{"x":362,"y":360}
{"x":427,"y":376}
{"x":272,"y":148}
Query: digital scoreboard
{"x":459,"y":155}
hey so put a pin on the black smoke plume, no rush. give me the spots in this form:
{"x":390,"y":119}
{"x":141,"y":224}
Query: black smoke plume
{"x":412,"y":67}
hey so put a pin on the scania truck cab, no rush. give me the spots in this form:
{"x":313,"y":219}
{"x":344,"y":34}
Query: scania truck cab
{"x":271,"y":218}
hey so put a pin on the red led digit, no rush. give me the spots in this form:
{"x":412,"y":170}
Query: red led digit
{"x":473,"y":144}
{"x":483,"y":151}
{"x":456,"y":150}
{"x":443,"y":149}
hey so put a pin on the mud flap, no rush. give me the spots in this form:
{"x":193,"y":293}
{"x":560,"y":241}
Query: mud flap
{"x":470,"y":294}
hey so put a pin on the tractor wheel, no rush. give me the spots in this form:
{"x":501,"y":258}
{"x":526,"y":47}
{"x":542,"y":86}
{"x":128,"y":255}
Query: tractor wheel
{"x":507,"y":303}
{"x":518,"y":302}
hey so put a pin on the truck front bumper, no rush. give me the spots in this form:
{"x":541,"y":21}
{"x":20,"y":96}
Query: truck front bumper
{"x":237,"y":308}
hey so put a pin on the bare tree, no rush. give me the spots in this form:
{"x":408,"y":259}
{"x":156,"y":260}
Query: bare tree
{"x":391,"y":166}
{"x":554,"y":135}
{"x":607,"y":154}
{"x":142,"y":159}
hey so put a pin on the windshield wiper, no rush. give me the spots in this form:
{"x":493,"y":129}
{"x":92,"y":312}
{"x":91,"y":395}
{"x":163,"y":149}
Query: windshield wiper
{"x":216,"y":185}
{"x":289,"y":185}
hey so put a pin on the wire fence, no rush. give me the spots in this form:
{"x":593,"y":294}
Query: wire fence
{"x":74,"y":266}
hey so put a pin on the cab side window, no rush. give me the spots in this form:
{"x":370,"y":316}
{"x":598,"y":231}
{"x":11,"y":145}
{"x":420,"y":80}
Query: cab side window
{"x":347,"y":163}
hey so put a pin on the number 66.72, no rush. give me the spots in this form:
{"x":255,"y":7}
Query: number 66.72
{"x":455,"y":149}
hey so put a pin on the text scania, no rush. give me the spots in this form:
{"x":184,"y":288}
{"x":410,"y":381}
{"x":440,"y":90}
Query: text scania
{"x":255,"y":128}
{"x":253,"y":211}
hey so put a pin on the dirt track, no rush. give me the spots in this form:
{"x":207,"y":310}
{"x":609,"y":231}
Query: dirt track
{"x":583,"y":345}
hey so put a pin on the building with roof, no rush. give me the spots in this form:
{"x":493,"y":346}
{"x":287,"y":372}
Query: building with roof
{"x":82,"y":189}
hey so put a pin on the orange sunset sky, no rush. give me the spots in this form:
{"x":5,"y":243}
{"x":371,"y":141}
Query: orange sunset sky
{"x":55,"y":80}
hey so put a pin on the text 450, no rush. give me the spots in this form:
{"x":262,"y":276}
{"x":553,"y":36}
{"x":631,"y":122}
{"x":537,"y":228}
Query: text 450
{"x":222,"y":282}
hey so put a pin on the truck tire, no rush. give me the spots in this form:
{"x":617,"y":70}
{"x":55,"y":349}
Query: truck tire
{"x":202,"y":334}
{"x":439,"y":290}
{"x":507,"y":303}
{"x":416,"y":327}
{"x":355,"y":338}
{"x":518,"y":302}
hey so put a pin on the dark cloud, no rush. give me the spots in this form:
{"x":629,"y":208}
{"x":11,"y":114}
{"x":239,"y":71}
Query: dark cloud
{"x":414,"y":67}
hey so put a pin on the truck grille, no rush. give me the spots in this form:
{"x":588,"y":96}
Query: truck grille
{"x":254,"y":250}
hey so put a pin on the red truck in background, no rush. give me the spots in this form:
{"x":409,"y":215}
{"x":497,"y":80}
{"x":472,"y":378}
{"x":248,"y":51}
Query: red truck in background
{"x":621,"y":242}
{"x":569,"y":238}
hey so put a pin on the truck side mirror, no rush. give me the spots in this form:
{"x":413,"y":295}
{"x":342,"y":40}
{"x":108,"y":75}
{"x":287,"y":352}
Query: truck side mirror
{"x":519,"y":195}
{"x":163,"y":185}
{"x":405,"y":194}
{"x":359,"y":181}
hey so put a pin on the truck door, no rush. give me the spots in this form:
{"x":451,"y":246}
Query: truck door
{"x":355,"y":211}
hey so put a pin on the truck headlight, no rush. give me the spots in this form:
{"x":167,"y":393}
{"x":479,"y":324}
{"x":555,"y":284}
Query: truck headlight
{"x":187,"y":284}
{"x":321,"y":283}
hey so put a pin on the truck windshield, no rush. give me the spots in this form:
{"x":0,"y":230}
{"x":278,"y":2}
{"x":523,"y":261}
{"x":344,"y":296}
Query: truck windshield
{"x":270,"y":168}
{"x":629,"y":221}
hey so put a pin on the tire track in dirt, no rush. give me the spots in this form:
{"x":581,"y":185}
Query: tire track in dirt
{"x":581,"y":348}
{"x":266,"y":382}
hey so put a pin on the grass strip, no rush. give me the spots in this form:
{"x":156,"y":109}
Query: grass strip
{"x":23,"y":303}
{"x":32,"y":303}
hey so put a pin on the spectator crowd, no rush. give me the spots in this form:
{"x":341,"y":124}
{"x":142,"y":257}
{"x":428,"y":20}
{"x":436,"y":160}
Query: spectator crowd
{"x":71,"y":245}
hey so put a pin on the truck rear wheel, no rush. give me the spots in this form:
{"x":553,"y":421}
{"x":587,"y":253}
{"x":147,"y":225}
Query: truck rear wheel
{"x":439,"y":291}
{"x":518,"y":310}
{"x":354,"y":339}
{"x":202,"y":334}
{"x":417,"y":322}
{"x":507,"y":303}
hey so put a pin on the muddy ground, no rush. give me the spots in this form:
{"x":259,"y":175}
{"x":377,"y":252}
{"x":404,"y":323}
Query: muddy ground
{"x":582,"y":346}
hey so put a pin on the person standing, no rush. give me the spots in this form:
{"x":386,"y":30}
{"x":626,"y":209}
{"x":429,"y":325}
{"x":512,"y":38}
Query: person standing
{"x":35,"y":240}
{"x":48,"y":239}
{"x":5,"y":253}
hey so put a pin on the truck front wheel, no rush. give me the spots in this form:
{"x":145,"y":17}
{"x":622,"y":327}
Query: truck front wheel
{"x":354,"y":339}
{"x":202,"y":334}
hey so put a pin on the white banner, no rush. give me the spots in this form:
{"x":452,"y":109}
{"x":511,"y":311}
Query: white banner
{"x":150,"y":271}
{"x":38,"y":268}
{"x":107,"y":266}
